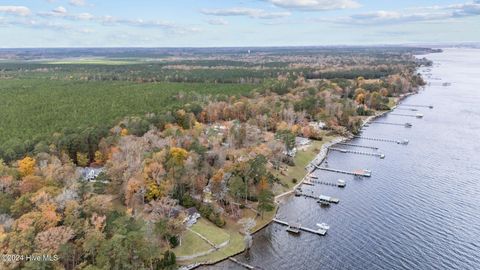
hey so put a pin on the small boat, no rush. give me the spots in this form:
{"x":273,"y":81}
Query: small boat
{"x":419,"y":115}
{"x":323,"y":203}
{"x":293,"y":228}
{"x":323,"y":226}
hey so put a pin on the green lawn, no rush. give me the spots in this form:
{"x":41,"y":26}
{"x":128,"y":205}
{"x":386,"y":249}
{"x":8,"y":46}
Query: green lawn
{"x":236,"y":245}
{"x":191,"y":244}
{"x":210,"y":231}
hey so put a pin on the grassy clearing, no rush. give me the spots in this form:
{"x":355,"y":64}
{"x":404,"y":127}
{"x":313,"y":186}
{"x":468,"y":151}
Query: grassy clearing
{"x":210,"y":231}
{"x":194,"y":245}
{"x":191,"y":244}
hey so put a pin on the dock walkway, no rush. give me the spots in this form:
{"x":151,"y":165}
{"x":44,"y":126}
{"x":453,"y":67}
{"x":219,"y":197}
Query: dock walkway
{"x":321,"y":198}
{"x":416,"y":105}
{"x":382,"y":156}
{"x":320,"y":231}
{"x":364,"y":173}
{"x":333,"y":184}
{"x":247,"y":266}
{"x":392,"y":124}
{"x":381,"y":140}
{"x":408,"y":115}
{"x":359,"y":146}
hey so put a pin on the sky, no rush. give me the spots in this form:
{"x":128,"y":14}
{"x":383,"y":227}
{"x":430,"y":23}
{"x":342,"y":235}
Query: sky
{"x":219,"y":23}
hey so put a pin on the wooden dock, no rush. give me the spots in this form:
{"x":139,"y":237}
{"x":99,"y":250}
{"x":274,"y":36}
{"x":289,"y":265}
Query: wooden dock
{"x":346,"y":151}
{"x":247,"y":266}
{"x":358,"y":145}
{"x":355,"y":173}
{"x":393,"y":124}
{"x":319,"y":231}
{"x":416,"y":105}
{"x":321,"y":198}
{"x":381,"y":140}
{"x":407,"y":109}
{"x":418,"y":115}
{"x":333,"y":184}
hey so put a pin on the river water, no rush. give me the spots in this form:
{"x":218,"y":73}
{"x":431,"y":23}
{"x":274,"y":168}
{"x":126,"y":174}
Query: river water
{"x":421,"y":207}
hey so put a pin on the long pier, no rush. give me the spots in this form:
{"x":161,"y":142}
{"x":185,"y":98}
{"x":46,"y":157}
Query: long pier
{"x":319,"y":231}
{"x":321,"y":197}
{"x":333,"y":184}
{"x":416,"y":105}
{"x":364,"y":173}
{"x":418,"y":115}
{"x":381,"y":140}
{"x":247,"y":266}
{"x":392,"y":124}
{"x":407,"y":109}
{"x":359,"y":146}
{"x":382,"y":156}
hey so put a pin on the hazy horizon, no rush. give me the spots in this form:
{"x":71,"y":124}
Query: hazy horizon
{"x":257,"y":23}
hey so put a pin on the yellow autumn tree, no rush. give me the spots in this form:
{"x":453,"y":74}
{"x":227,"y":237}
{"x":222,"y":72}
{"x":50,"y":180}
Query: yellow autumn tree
{"x":82,"y":159}
{"x":124,"y":132}
{"x":178,"y":155}
{"x":99,"y":158}
{"x":26,"y":166}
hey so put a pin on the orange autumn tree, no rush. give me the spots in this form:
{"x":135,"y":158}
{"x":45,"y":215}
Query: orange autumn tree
{"x":26,"y":166}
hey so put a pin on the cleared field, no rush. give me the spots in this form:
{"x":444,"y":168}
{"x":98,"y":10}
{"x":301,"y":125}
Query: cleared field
{"x":93,"y":61}
{"x":31,"y":108}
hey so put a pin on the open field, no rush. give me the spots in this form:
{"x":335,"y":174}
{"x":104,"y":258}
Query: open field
{"x":92,"y":61}
{"x":38,"y":108}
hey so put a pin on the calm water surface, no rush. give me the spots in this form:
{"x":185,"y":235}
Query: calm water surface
{"x":421,"y":207}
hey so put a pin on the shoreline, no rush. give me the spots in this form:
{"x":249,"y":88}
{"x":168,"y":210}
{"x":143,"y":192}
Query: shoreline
{"x":318,"y":159}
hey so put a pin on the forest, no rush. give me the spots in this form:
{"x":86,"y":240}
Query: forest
{"x":169,"y":148}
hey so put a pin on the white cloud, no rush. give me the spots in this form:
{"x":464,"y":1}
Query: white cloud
{"x":60,"y":10}
{"x":418,"y":14}
{"x":15,"y":10}
{"x":315,"y":5}
{"x":249,"y":12}
{"x":84,"y":16}
{"x":77,"y":3}
{"x":217,"y":21}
